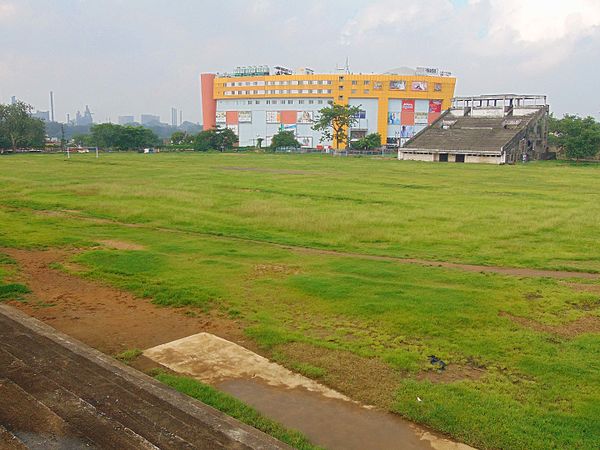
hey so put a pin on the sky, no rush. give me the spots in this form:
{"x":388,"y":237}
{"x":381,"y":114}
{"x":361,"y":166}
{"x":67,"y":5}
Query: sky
{"x":128,"y":57}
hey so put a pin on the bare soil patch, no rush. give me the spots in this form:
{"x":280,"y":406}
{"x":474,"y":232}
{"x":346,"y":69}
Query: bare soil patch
{"x":587,"y":324}
{"x":452,"y":373}
{"x":121,"y":245}
{"x":103,"y":317}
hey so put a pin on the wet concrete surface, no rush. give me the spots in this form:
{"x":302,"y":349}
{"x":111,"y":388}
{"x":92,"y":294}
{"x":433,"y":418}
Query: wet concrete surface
{"x":331,"y":423}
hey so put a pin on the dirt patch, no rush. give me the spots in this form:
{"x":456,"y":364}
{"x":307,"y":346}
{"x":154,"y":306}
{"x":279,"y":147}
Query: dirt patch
{"x":121,"y":245}
{"x":367,"y":380}
{"x":452,"y":373}
{"x":103,"y":317}
{"x":273,"y":270}
{"x":587,"y":324}
{"x":582,"y":287}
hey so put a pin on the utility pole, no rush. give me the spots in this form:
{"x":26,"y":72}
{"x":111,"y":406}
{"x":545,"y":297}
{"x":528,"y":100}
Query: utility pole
{"x":62,"y":140}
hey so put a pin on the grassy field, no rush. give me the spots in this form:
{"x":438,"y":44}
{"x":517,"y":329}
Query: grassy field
{"x":248,"y":236}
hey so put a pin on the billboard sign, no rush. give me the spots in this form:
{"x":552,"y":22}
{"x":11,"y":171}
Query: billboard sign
{"x":421,"y":117}
{"x":398,"y":85}
{"x":245,"y":116}
{"x":419,"y":86}
{"x":305,"y":141}
{"x":408,"y":105}
{"x":362,"y":114}
{"x":305,"y":117}
{"x":435,"y":106}
{"x":273,"y":117}
{"x":428,"y":71}
{"x":377,"y":85}
{"x":234,"y":128}
{"x":288,"y":127}
{"x":407,"y":131}
{"x":394,"y":118}
{"x":221,"y":117}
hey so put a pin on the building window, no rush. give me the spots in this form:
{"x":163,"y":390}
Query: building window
{"x":340,"y":97}
{"x":366,"y":91}
{"x":249,"y":102}
{"x":341,"y":78}
{"x":341,"y":87}
{"x":320,"y":102}
{"x":257,"y":102}
{"x":353,"y":91}
{"x":268,"y":102}
{"x":366,"y":82}
{"x":354,"y":82}
{"x":313,"y":82}
{"x":310,"y":102}
{"x":290,"y":102}
{"x":301,"y":102}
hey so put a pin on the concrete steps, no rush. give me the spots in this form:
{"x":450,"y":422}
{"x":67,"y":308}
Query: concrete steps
{"x":56,"y":389}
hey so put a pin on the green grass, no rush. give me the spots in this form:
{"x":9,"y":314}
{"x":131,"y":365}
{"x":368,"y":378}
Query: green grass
{"x":214,"y":239}
{"x":235,"y":408}
{"x":127,"y":356}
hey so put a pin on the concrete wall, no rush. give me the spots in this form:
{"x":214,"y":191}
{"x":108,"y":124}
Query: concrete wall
{"x":483,"y":159}
{"x":487,"y":112}
{"x":429,"y":157}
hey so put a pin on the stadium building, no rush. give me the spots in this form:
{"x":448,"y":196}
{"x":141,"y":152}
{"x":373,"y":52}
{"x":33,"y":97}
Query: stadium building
{"x":256,"y":102}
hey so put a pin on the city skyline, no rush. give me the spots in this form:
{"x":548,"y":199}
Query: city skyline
{"x":103,"y":55}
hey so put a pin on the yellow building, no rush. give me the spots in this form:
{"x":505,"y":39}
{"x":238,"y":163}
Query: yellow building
{"x":257,"y":104}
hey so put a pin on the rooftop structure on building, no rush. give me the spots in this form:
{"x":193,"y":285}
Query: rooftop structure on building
{"x":256,"y":101}
{"x":495,"y":129}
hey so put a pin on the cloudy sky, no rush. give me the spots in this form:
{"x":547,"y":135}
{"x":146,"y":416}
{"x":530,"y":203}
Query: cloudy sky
{"x":126,"y":57}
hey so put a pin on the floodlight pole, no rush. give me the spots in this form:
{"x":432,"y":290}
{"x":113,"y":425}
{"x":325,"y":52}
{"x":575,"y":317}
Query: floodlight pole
{"x":96,"y":152}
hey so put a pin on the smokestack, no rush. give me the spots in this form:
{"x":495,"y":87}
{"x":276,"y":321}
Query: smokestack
{"x":51,"y":106}
{"x":180,"y":117}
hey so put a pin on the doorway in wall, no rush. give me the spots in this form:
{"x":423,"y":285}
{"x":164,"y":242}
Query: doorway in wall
{"x":443,"y":157}
{"x":460,"y":158}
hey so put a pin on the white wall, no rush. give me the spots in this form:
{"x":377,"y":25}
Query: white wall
{"x":370,"y":106}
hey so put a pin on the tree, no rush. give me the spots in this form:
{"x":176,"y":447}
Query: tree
{"x":215,"y":139}
{"x":181,"y":138}
{"x":120,"y":137}
{"x":579,"y":137}
{"x":370,"y":141}
{"x":334,"y":121}
{"x":284,"y":139}
{"x":18,"y":128}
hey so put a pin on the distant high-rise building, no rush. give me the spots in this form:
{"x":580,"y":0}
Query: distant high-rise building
{"x":150,"y":119}
{"x":85,"y":119}
{"x":174,"y":117}
{"x":125,"y":120}
{"x":13,"y":100}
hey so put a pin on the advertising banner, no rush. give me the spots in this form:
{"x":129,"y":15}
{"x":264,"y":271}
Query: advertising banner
{"x":435,"y":106}
{"x":289,"y":127}
{"x":407,"y":131}
{"x":437,"y":87}
{"x":420,"y":86}
{"x":305,"y":117}
{"x":306,"y":141}
{"x":245,"y":116}
{"x":398,"y":85}
{"x":377,"y":85}
{"x":234,"y":128}
{"x":421,"y":117}
{"x":273,"y":117}
{"x":221,"y":116}
{"x":394,"y":118}
{"x":408,"y":105}
{"x":362,"y":114}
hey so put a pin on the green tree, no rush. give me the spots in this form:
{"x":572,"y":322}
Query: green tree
{"x":334,"y":121}
{"x":108,"y":135}
{"x":181,"y":137}
{"x":579,"y":137}
{"x":369,"y":142}
{"x":284,"y":139}
{"x":221,"y":139}
{"x":18,"y":128}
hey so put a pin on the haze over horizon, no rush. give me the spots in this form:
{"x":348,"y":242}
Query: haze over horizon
{"x":133,"y":57}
